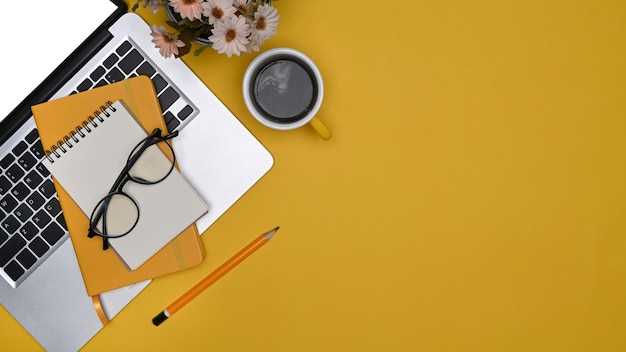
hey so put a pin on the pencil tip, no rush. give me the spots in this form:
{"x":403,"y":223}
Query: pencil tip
{"x":271,"y":233}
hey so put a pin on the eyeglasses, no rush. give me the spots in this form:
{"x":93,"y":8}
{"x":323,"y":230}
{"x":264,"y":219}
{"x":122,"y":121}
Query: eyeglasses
{"x":117,"y":214}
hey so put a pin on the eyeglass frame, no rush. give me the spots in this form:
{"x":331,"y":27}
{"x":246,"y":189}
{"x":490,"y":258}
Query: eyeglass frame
{"x":117,"y":189}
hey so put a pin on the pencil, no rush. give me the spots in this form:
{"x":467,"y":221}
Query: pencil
{"x":212,"y":277}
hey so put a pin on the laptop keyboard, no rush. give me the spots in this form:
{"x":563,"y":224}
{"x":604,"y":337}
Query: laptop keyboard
{"x":127,"y":61}
{"x":31,"y":220}
{"x":30,"y":214}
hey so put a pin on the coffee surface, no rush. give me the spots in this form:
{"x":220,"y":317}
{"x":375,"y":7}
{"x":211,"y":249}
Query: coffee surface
{"x":284,"y":91}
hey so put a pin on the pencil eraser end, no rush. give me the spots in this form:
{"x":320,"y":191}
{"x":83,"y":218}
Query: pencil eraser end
{"x":159,"y":319}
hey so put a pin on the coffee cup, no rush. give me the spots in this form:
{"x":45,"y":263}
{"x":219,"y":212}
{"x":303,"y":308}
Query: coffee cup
{"x":283,"y":90}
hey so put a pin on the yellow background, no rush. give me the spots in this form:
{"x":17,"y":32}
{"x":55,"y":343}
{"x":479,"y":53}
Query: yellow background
{"x":471,"y":199}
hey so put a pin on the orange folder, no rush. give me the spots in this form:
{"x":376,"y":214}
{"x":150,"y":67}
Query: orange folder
{"x":103,"y":270}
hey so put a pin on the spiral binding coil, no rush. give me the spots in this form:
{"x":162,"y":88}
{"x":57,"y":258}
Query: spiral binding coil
{"x":80,"y":132}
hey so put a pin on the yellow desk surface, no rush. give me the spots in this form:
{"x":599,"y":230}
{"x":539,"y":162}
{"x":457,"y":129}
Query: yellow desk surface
{"x":472,"y":198}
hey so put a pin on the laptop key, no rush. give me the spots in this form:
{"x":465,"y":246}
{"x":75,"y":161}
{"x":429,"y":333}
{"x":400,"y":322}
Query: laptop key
{"x":7,"y":161}
{"x":26,"y":258}
{"x":33,"y":179}
{"x":11,"y":248}
{"x":53,"y":207}
{"x":20,"y":191}
{"x":100,"y":83}
{"x":167,"y":98}
{"x":171,"y":121}
{"x":110,"y":61}
{"x":23,"y":212}
{"x":47,"y":188}
{"x":32,"y":136}
{"x":20,"y":148}
{"x":27,"y":161}
{"x":42,"y":170}
{"x":114,"y":75}
{"x":37,"y":150}
{"x":159,"y":83}
{"x":3,"y":236}
{"x":10,"y":224}
{"x":15,"y":172}
{"x":84,"y":85}
{"x":132,"y":60}
{"x":38,"y":246}
{"x":185,"y":112}
{"x":41,"y":219}
{"x":53,"y":233}
{"x":29,"y":231}
{"x":5,"y":185}
{"x":35,"y":200}
{"x":8,"y":203}
{"x":123,"y":48}
{"x":61,"y":221}
{"x":14,"y":270}
{"x":146,"y":69}
{"x":97,"y":73}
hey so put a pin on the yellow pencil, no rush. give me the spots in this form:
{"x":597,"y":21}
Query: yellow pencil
{"x":214,"y":276}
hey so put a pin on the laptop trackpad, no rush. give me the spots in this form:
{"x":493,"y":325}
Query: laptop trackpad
{"x":50,"y":300}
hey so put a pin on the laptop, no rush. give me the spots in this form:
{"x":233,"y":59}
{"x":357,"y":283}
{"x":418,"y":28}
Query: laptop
{"x":40,"y":281}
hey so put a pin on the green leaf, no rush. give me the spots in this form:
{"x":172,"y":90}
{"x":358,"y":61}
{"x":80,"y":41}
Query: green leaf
{"x":188,"y":34}
{"x":174,"y":25}
{"x":200,"y":50}
{"x":184,"y":50}
{"x":192,"y":24}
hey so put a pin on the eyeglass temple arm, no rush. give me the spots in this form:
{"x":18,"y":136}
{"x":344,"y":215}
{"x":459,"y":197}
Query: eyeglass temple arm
{"x":170,"y":135}
{"x":156,"y":133}
{"x":105,"y":241}
{"x":92,"y":233}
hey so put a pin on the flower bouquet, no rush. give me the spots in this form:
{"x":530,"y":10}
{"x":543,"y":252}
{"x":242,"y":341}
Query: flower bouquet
{"x":228,"y":26}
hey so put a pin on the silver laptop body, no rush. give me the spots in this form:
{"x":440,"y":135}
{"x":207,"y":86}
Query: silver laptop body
{"x":216,"y":153}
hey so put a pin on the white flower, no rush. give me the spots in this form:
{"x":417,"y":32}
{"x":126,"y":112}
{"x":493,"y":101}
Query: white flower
{"x":234,"y":26}
{"x":265,"y":23}
{"x":191,"y":9}
{"x":230,"y":36}
{"x":167,"y":43}
{"x":154,"y":5}
{"x":252,"y":45}
{"x":217,"y":10}
{"x":242,"y":5}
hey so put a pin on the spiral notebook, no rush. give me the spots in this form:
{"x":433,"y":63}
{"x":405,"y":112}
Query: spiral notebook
{"x":86,"y":163}
{"x":103,"y":270}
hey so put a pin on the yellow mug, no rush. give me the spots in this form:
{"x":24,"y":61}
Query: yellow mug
{"x":283,"y":90}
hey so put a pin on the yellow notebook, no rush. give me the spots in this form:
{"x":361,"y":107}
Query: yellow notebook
{"x":103,"y":270}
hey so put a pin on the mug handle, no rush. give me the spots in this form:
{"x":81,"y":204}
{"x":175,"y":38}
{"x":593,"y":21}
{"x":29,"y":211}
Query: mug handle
{"x":321,"y":128}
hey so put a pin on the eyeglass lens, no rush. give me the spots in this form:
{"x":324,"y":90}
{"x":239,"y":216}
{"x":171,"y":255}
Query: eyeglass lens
{"x":150,"y":166}
{"x":119,"y":215}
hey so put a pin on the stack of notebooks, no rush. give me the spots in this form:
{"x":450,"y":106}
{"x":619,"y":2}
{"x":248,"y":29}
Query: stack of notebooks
{"x":88,"y":137}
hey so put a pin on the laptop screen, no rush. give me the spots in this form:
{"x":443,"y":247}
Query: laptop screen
{"x":42,"y":38}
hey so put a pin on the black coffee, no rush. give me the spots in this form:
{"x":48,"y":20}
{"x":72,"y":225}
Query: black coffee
{"x":284,"y":91}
